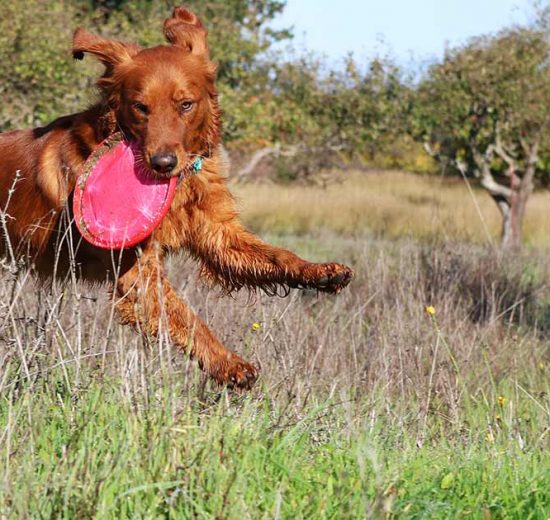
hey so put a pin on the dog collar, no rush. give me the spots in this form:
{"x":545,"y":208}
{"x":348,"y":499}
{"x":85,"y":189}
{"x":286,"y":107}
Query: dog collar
{"x":196,"y":167}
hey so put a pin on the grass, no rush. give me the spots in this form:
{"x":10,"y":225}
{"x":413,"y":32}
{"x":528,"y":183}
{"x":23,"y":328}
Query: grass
{"x":95,"y":453}
{"x":391,"y":205}
{"x":367,"y":405}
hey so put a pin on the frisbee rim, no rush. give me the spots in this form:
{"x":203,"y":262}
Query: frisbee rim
{"x":107,"y":146}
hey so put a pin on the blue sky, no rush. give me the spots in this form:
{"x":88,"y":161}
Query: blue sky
{"x":406,"y":29}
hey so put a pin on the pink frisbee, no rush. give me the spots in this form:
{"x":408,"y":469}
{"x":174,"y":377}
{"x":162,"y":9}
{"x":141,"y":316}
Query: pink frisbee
{"x":117,"y":201}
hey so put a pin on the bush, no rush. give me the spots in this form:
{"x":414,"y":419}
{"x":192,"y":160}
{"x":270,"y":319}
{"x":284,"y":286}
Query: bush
{"x":491,"y":286}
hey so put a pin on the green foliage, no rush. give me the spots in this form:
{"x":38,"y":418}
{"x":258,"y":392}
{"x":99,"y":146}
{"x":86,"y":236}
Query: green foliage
{"x":332,"y":115}
{"x":39,"y":81}
{"x":353,"y":110}
{"x":488,"y":100}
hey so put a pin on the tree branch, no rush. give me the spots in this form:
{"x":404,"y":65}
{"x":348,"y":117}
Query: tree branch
{"x":499,"y":148}
{"x":280,"y":151}
{"x":493,"y":187}
{"x":487,"y":180}
{"x":258,"y":156}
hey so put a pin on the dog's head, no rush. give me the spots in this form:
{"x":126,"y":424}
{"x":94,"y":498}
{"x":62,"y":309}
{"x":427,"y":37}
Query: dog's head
{"x":163,"y":97}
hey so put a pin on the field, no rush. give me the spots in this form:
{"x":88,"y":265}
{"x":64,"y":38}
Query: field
{"x":420,"y":392}
{"x":390,"y":205}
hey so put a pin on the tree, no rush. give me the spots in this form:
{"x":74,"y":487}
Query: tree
{"x":322,"y":118}
{"x":484,"y":112}
{"x":310,"y":116}
{"x":39,"y":80}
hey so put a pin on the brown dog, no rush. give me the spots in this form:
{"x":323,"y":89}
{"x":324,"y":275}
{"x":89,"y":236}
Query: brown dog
{"x":165,"y":99}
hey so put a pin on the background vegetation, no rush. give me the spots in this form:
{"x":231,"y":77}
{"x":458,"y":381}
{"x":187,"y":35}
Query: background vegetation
{"x":420,"y":392}
{"x":482,"y":112}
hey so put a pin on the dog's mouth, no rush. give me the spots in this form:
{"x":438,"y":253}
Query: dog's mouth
{"x":164,"y":175}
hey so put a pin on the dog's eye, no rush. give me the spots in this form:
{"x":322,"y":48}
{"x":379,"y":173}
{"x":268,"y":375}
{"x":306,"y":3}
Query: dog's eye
{"x":185,"y":106}
{"x":141,"y":108}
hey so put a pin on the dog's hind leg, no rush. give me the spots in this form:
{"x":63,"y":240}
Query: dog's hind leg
{"x":146,"y":300}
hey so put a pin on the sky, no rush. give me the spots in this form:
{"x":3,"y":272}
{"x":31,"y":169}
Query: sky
{"x":409,"y":30}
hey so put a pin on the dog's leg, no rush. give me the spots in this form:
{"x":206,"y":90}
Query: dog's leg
{"x":146,"y":299}
{"x":235,"y":258}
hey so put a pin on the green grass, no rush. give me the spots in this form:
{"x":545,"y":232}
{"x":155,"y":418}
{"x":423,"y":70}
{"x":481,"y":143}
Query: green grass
{"x":97,"y":452}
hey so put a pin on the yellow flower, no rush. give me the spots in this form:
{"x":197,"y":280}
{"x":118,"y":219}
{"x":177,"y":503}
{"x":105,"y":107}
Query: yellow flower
{"x":256,"y":326}
{"x":541,"y":365}
{"x":498,"y":417}
{"x":490,"y":438}
{"x":501,"y":400}
{"x":430,"y":310}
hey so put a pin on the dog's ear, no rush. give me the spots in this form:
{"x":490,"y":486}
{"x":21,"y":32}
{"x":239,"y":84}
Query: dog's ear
{"x":109,"y":52}
{"x":184,"y":29}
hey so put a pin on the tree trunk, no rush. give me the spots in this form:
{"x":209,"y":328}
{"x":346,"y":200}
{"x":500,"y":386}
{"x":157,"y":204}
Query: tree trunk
{"x":522,"y":194}
{"x":513,"y":208}
{"x":513,"y":240}
{"x":509,"y":233}
{"x":511,"y":200}
{"x":504,"y":197}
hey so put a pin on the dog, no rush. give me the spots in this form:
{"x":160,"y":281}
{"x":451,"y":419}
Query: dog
{"x":164,"y":99}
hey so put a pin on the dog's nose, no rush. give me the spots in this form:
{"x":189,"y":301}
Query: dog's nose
{"x":164,"y":162}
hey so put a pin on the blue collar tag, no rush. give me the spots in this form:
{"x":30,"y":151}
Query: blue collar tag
{"x":197,"y":165}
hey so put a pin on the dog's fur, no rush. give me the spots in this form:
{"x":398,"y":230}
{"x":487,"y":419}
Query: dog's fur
{"x":165,"y":99}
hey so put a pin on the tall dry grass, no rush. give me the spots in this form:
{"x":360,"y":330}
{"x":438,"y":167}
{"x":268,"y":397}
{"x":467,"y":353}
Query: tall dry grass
{"x":492,"y":310}
{"x":373,"y":339}
{"x":389,"y":204}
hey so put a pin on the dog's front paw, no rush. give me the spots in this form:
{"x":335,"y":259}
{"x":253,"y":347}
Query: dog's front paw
{"x":330,"y":278}
{"x":234,"y":372}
